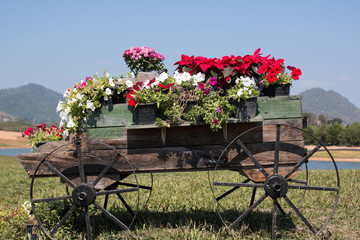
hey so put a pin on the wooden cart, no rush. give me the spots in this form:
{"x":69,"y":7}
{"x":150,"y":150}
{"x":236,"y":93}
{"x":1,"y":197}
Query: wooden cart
{"x":266,"y":153}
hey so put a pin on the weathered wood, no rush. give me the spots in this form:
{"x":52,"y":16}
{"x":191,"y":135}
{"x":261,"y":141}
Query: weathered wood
{"x":280,"y":107}
{"x":187,"y":147}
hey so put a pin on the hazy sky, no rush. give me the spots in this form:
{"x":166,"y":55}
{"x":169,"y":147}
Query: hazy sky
{"x":59,"y":43}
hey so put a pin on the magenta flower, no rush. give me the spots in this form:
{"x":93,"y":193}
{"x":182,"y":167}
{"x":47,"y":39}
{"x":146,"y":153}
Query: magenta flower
{"x":213,"y":81}
{"x":202,"y":85}
{"x":219,"y":110}
{"x":216,"y":122}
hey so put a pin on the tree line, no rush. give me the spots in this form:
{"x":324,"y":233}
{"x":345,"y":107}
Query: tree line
{"x":334,"y":133}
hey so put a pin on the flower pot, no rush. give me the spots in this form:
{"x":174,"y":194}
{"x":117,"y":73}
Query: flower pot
{"x":277,"y":90}
{"x":246,"y":110}
{"x":145,"y":113}
{"x":144,"y":76}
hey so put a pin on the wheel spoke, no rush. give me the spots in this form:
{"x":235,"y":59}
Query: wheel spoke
{"x":109,"y":192}
{"x":274,"y":218}
{"x":125,"y":204}
{"x":134,"y":185}
{"x":319,"y":188}
{"x":57,"y":172}
{"x":101,"y":175}
{"x":239,"y":219}
{"x":280,"y":208}
{"x":51,"y":199}
{"x":297,"y":181}
{"x":80,"y":162}
{"x":300,"y":214}
{"x":277,"y":149}
{"x":305,"y":159}
{"x":258,"y":165}
{"x":112,"y":217}
{"x":63,"y":219}
{"x":230,"y":191}
{"x":253,"y":196}
{"x":232,"y":184}
{"x":88,"y":224}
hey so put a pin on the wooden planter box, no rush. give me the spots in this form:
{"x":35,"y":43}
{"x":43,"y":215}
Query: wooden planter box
{"x":184,"y":147}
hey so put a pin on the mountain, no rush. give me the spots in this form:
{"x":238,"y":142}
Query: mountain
{"x":331,"y":104}
{"x":32,"y":103}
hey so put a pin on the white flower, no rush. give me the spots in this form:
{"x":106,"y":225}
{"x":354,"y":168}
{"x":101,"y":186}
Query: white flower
{"x":74,"y":90}
{"x":66,"y":133}
{"x":129,"y":83}
{"x":240,"y":92}
{"x":90,"y":105}
{"x":106,"y":98}
{"x":107,"y":74}
{"x":79,"y":96}
{"x":250,"y":92}
{"x":111,"y":82}
{"x":131,"y":75}
{"x":200,"y":77}
{"x":145,"y":84}
{"x":162,"y":77}
{"x":67,"y":111}
{"x":108,"y":91}
{"x":59,"y":106}
{"x":71,"y":123}
{"x":237,"y":81}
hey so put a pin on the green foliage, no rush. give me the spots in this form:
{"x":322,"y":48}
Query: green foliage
{"x":351,"y":135}
{"x":215,"y":109}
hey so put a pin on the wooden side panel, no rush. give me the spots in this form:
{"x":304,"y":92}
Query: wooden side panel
{"x":280,"y":107}
{"x":112,"y":115}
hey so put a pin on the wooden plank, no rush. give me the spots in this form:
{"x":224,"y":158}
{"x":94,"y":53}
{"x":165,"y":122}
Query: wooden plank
{"x":280,"y":107}
{"x":114,"y":115}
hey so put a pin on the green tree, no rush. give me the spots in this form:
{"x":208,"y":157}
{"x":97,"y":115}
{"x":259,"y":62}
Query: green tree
{"x":323,"y":119}
{"x":333,"y":133}
{"x":351,"y":135}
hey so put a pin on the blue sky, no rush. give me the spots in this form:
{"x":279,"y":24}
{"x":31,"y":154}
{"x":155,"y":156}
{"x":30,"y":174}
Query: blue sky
{"x":59,"y":43}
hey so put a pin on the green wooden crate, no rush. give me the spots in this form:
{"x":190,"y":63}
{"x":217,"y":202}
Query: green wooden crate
{"x":280,"y":107}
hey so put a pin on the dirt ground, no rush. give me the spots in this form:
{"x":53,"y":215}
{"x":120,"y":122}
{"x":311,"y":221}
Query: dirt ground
{"x":13,"y":140}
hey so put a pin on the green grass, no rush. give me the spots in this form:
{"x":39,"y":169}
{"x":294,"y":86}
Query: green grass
{"x":181,"y":207}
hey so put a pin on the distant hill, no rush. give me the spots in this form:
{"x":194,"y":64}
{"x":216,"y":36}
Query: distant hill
{"x":32,"y":103}
{"x":331,"y":104}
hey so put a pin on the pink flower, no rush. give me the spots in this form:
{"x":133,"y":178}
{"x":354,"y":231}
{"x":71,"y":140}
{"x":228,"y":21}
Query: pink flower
{"x":216,"y":122}
{"x":202,"y":85}
{"x":213,"y":81}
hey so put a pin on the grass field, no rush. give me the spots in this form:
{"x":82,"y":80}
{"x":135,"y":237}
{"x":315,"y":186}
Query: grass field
{"x":181,"y":207}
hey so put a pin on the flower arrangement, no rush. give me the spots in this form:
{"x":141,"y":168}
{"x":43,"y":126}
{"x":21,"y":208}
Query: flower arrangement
{"x":43,"y":134}
{"x":264,"y":70}
{"x":143,"y":59}
{"x":243,"y":89}
{"x":84,"y":98}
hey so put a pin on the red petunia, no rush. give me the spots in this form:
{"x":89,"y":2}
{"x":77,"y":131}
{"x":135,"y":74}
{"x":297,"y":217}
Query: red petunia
{"x":271,"y":77}
{"x":262,"y":69}
{"x":216,"y":122}
{"x":132,"y":102}
{"x":296,"y":73}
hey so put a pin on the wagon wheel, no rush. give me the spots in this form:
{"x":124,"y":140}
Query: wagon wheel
{"x":145,"y":181}
{"x":89,"y":178}
{"x":271,"y":169}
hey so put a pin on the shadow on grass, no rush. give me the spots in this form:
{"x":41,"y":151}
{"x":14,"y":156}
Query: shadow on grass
{"x":206,"y":220}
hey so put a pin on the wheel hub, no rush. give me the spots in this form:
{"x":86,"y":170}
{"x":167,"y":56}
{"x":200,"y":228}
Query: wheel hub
{"x":276,"y":186}
{"x":83,"y":195}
